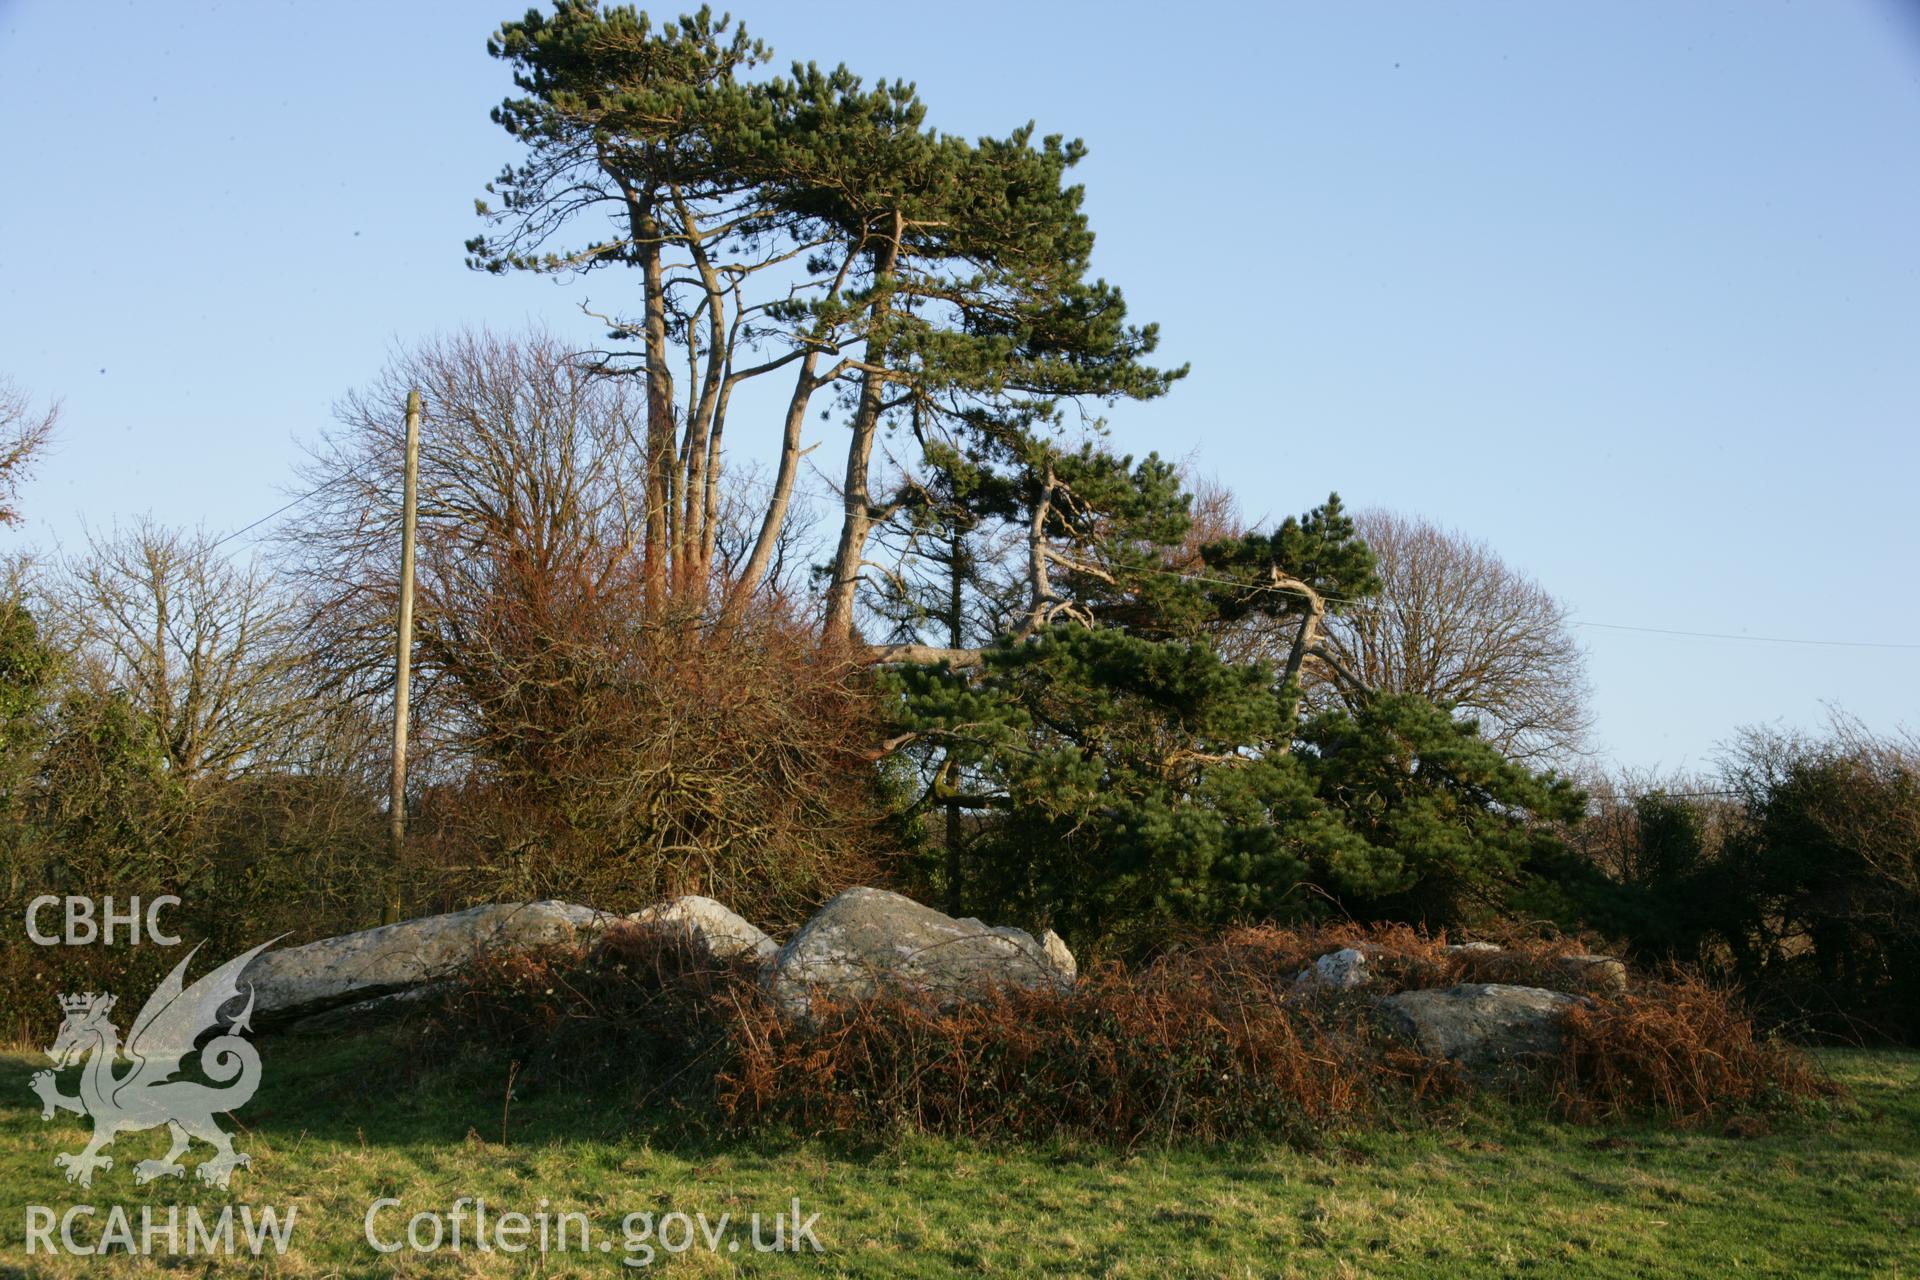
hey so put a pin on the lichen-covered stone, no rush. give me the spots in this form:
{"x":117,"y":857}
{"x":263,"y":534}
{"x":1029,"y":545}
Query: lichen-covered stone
{"x":1342,"y":970}
{"x":1604,"y":974}
{"x":1487,"y":1028}
{"x":359,"y":966}
{"x":868,"y":941}
{"x":710,"y":925}
{"x":1056,"y":948}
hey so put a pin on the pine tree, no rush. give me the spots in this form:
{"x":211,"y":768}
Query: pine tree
{"x":936,"y":276}
{"x":1130,"y":783}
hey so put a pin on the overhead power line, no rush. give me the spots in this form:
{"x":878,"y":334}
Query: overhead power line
{"x":804,"y":491}
{"x":277,"y":511}
{"x":349,"y":474}
{"x":1735,"y":635}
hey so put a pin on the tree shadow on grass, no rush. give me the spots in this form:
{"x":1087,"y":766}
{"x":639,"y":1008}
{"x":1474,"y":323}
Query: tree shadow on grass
{"x":369,"y":1088}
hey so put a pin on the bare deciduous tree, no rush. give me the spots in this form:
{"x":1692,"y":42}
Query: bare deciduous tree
{"x":571,"y":734}
{"x":205,"y":649}
{"x":1458,"y":625}
{"x":531,"y":520}
{"x":23,"y":434}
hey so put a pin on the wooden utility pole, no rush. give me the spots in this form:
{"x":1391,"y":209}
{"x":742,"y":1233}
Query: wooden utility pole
{"x":402,"y":670}
{"x":956,"y":636}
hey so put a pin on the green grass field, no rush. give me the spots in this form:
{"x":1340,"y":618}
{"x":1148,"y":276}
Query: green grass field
{"x":1835,"y":1192}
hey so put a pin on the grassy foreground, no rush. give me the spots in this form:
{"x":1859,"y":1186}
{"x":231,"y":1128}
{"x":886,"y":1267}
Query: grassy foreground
{"x":1832,"y":1193}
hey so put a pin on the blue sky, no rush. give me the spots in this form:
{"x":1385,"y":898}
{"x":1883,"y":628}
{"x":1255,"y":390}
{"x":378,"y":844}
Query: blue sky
{"x":1629,"y":290}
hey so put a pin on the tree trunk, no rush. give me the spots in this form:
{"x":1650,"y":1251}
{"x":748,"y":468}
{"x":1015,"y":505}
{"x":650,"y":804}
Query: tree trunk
{"x":702,"y":460}
{"x":858,"y":518}
{"x":1304,"y":640}
{"x":660,"y":426}
{"x":956,"y":637}
{"x":775,"y":519}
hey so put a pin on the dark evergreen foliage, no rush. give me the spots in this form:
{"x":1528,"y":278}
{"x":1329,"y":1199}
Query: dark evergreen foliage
{"x":1127,"y":783}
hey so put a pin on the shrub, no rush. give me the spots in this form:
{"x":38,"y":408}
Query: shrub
{"x":1681,"y":1050}
{"x":1187,"y":1050}
{"x":33,"y":978}
{"x":1799,"y":879}
{"x":1209,"y":1042}
{"x":636,"y":1014}
{"x":728,"y":760}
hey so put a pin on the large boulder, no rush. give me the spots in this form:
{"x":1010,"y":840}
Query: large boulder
{"x":710,"y":927}
{"x":1488,"y":1028}
{"x":868,"y":941}
{"x":374,"y":962}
